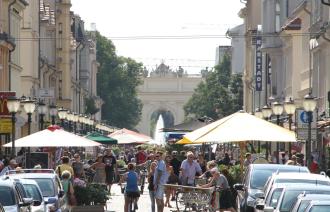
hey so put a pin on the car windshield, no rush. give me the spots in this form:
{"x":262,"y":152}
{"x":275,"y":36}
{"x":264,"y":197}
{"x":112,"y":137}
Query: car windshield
{"x":33,"y":192}
{"x":259,"y":178}
{"x":276,"y":195}
{"x":290,"y":197}
{"x":320,"y":208}
{"x":303,"y":205}
{"x":46,"y":186}
{"x":307,"y":181}
{"x":7,"y":197}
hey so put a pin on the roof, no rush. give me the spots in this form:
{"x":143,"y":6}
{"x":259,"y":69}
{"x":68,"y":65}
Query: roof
{"x":304,"y":187}
{"x":5,"y":181}
{"x":279,"y":167}
{"x":186,"y":127}
{"x":299,"y":175}
{"x":33,"y":175}
{"x":313,"y":196}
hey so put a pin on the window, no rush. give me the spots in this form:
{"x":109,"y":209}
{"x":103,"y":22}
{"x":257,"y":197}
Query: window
{"x":7,"y":197}
{"x":277,"y":16}
{"x":316,"y":11}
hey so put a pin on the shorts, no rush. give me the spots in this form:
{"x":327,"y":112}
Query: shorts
{"x":132,"y":194}
{"x":109,"y":178}
{"x":159,"y":193}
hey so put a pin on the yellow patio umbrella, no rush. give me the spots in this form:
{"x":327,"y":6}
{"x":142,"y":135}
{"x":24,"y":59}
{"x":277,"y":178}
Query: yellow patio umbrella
{"x":239,"y":127}
{"x":186,"y":141}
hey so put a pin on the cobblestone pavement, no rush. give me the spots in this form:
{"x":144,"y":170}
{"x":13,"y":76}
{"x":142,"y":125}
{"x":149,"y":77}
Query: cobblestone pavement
{"x":116,"y":202}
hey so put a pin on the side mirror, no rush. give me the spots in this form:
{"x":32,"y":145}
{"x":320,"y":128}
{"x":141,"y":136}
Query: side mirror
{"x":239,"y":187}
{"x":60,"y":193}
{"x":268,"y":209}
{"x":36,"y":203}
{"x":51,"y":200}
{"x":259,"y":195}
{"x":26,"y":202}
{"x":260,"y":207}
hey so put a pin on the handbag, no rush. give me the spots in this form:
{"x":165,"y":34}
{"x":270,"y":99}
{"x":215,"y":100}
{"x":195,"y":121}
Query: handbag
{"x":71,"y":197}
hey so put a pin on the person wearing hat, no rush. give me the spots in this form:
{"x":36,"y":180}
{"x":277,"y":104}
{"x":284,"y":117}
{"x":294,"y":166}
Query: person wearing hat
{"x":11,"y":166}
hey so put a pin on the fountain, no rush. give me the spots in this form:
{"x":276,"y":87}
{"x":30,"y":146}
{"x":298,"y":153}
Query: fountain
{"x":159,"y":137}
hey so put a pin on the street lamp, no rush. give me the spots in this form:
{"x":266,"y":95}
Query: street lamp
{"x":290,"y":109}
{"x":53,"y":113}
{"x":69,"y":117}
{"x":62,"y":114}
{"x":258,"y":113}
{"x":309,"y":104}
{"x":13,"y":104}
{"x":29,"y":107}
{"x":42,"y":110}
{"x":266,"y":114}
{"x":75,"y":120}
{"x":82,"y":124}
{"x":277,"y":110}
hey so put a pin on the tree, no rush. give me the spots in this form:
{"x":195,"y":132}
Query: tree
{"x":117,"y":81}
{"x":220,"y":94}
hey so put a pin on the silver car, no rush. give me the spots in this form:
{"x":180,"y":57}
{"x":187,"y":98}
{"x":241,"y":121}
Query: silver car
{"x":290,"y":193}
{"x":319,"y":206}
{"x":12,"y":196}
{"x":303,"y":201}
{"x":33,"y":191}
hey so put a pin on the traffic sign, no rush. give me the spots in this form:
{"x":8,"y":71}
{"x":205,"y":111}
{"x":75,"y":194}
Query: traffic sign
{"x":46,"y":93}
{"x":302,"y":134}
{"x":302,"y":119}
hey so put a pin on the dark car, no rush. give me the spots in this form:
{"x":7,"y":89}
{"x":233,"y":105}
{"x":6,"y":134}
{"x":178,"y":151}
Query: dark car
{"x":254,"y":180}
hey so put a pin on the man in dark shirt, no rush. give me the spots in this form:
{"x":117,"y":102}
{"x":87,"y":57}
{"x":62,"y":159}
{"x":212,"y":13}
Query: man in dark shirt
{"x":110,"y":167}
{"x":175,"y":163}
{"x":78,"y":167}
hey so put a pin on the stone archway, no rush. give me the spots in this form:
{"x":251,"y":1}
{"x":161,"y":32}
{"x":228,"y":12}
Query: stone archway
{"x":168,"y":118}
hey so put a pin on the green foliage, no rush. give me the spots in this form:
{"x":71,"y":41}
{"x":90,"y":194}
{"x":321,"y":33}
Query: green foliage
{"x":117,"y":81}
{"x":235,"y":173}
{"x":90,"y":106}
{"x":92,"y":194}
{"x":220,"y":94}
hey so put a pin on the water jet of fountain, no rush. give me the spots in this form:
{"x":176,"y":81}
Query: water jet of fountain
{"x":159,"y":137}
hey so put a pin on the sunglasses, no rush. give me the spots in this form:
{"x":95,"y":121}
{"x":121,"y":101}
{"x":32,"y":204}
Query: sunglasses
{"x":157,"y":156}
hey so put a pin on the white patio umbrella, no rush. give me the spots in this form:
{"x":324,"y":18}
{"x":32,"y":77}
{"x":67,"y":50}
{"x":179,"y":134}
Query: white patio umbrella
{"x":53,"y":136}
{"x":125,"y":136}
{"x":239,"y":127}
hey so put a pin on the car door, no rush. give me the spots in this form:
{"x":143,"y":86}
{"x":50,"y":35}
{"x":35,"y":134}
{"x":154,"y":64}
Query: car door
{"x":241,"y":195}
{"x":19,"y":195}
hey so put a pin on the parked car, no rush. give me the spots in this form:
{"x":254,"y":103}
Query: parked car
{"x":254,"y":180}
{"x":33,"y":191}
{"x":12,"y":197}
{"x":292,"y":178}
{"x":318,"y":206}
{"x":289,"y":195}
{"x":48,"y":182}
{"x":271,"y":198}
{"x":303,"y":201}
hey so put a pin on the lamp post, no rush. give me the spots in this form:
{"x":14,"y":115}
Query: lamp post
{"x":277,"y":110}
{"x":309,"y":106}
{"x":29,"y":107}
{"x":75,"y":120}
{"x":53,"y":113}
{"x":13,"y":104}
{"x":266,"y":113}
{"x":42,"y":110}
{"x":290,"y":109}
{"x":82,"y":124}
{"x":258,"y":114}
{"x":69,"y":117}
{"x":62,"y":114}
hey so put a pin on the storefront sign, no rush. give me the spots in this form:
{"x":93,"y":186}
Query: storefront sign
{"x":5,"y":126}
{"x":258,"y":64}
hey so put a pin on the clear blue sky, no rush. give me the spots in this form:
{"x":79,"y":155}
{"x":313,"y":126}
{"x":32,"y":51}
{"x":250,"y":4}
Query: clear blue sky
{"x":141,"y":29}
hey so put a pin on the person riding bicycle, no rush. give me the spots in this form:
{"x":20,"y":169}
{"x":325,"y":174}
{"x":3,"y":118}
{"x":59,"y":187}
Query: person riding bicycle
{"x":132,"y":192}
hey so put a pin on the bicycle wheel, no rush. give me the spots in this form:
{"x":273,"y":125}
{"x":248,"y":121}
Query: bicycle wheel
{"x":180,"y":199}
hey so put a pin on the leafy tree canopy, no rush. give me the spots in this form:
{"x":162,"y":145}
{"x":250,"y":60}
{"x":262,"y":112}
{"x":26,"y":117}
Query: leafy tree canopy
{"x":117,"y":80}
{"x":220,"y":94}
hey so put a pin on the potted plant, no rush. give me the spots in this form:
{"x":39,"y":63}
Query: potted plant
{"x":91,"y":197}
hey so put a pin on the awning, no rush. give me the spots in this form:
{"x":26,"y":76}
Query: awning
{"x":101,"y":138}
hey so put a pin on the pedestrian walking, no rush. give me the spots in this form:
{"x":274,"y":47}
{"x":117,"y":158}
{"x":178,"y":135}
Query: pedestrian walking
{"x":189,"y":168}
{"x":65,"y":166}
{"x":69,"y":197}
{"x":172,"y":179}
{"x":11,"y":166}
{"x":131,"y":190}
{"x":78,"y":167}
{"x":99,"y":168}
{"x":111,"y":169}
{"x":160,"y":178}
{"x":151,"y":185}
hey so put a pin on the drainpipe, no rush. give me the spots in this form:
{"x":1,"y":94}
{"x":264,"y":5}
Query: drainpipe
{"x":39,"y":47}
{"x":77,"y":71}
{"x":9,"y":34}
